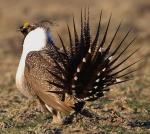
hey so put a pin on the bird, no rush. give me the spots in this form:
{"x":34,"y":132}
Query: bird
{"x":65,"y":79}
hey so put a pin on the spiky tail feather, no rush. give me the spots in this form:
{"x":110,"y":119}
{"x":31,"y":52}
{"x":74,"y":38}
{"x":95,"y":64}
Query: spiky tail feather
{"x":88,"y":69}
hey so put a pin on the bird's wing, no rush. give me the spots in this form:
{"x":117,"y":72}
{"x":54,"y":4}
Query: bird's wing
{"x":37,"y":77}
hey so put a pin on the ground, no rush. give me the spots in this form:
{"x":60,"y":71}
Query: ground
{"x":125,"y":109}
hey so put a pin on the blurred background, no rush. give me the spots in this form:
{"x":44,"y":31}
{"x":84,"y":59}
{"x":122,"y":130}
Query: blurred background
{"x":13,"y":13}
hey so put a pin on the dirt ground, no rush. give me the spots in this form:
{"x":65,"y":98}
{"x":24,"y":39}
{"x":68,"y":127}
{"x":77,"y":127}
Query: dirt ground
{"x":125,"y":109}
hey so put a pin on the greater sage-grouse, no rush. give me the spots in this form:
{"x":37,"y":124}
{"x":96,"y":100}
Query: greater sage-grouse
{"x":63,"y":78}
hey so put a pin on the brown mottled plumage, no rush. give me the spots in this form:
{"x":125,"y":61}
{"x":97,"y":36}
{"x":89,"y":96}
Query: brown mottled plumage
{"x":36,"y":75}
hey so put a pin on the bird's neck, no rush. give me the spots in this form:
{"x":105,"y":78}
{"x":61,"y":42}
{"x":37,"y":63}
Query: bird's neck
{"x":34,"y":41}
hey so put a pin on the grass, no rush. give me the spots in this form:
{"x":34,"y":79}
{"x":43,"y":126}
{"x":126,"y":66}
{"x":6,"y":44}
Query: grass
{"x":125,"y":109}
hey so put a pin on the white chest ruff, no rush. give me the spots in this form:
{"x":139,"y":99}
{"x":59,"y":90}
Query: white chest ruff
{"x":34,"y":41}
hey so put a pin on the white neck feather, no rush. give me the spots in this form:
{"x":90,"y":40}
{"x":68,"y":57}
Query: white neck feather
{"x":34,"y":41}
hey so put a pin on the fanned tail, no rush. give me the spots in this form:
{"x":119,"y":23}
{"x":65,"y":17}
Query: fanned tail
{"x":89,"y":67}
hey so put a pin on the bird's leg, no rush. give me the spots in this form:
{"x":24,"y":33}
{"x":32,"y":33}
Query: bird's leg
{"x":79,"y":106}
{"x":56,"y":117}
{"x":77,"y":109}
{"x":83,"y":111}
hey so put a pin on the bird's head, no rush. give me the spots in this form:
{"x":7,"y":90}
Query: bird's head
{"x":26,"y":28}
{"x":36,"y":36}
